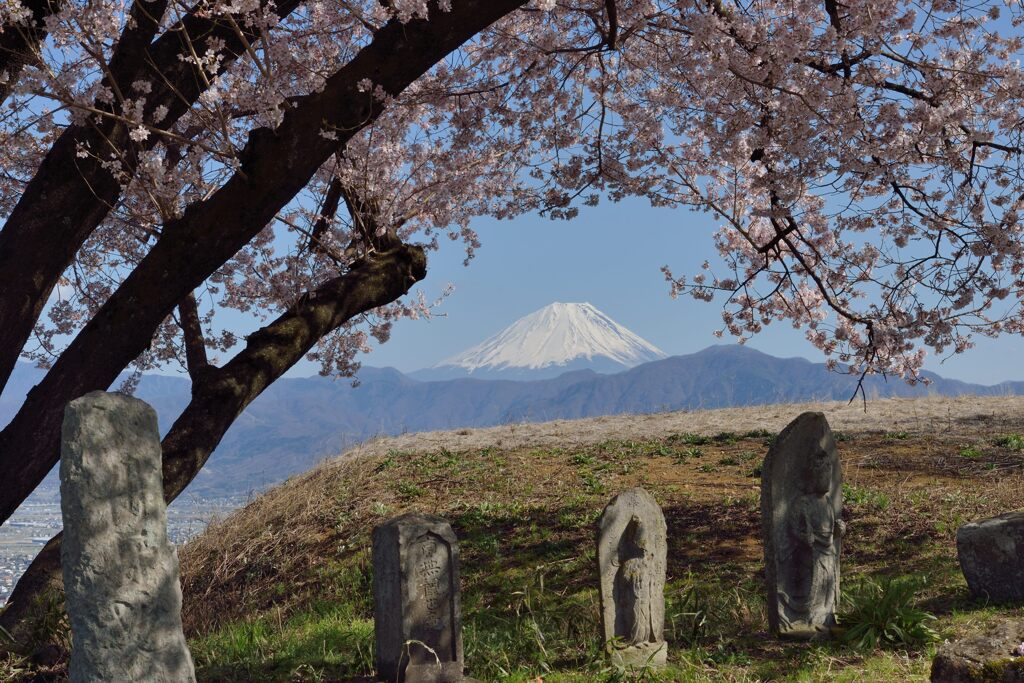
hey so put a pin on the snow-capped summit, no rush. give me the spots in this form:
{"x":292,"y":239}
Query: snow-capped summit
{"x":557,"y":338}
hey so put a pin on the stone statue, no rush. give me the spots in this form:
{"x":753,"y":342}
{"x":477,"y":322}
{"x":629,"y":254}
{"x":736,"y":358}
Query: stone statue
{"x":632,"y":560}
{"x":801,"y":502}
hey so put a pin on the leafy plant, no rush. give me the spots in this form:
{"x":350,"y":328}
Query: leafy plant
{"x":970,"y":452}
{"x":883,"y":614}
{"x":689,"y":439}
{"x":726,"y":438}
{"x":687,"y":453}
{"x":582,"y":459}
{"x":593,"y":483}
{"x":1015,"y":442}
{"x":410,"y":490}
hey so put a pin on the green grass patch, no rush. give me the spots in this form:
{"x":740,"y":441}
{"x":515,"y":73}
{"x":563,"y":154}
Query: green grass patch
{"x":861,"y":496}
{"x":688,"y":439}
{"x":326,"y":640}
{"x":970,"y":452}
{"x":1013,"y":442}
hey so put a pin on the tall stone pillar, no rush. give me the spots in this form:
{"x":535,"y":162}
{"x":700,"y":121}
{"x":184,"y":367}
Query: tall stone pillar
{"x":120,"y":570}
{"x":416,"y":601}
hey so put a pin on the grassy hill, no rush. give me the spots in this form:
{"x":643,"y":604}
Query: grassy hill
{"x":281,"y":590}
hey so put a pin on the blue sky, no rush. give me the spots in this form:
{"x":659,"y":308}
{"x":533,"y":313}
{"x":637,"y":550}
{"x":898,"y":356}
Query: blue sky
{"x":611,"y":256}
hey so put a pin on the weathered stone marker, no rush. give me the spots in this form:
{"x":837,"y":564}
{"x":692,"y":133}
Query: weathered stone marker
{"x":991,"y":554}
{"x":416,"y":600}
{"x":801,"y":504}
{"x":631,"y":559}
{"x":120,"y":570}
{"x":991,"y":656}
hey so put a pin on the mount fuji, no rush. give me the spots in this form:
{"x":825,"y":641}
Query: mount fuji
{"x":559,"y":338}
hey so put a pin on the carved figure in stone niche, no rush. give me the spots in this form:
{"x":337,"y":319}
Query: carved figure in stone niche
{"x":810,"y":589}
{"x":633,"y":589}
{"x":801,"y":507}
{"x":631,"y":559}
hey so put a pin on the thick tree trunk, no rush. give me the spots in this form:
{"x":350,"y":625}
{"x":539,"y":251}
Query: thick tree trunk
{"x":276,"y":165}
{"x":70,"y":195}
{"x":222,"y":394}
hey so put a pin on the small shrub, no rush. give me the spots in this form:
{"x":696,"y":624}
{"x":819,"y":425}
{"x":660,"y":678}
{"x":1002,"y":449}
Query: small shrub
{"x":882,"y":614}
{"x":758,"y":434}
{"x":728,"y":461}
{"x":707,"y":467}
{"x":897,"y":436}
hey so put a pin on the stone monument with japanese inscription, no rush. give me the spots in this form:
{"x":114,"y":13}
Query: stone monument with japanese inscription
{"x":416,"y":601}
{"x":631,"y":557}
{"x":120,"y":569}
{"x":801,"y":505}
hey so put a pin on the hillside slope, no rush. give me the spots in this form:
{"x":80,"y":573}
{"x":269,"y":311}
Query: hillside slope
{"x":299,"y":421}
{"x":281,"y":590}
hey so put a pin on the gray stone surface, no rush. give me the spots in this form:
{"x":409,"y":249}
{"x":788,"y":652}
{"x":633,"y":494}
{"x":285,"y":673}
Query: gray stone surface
{"x":992,"y":656}
{"x":416,"y":600}
{"x":631,"y":559}
{"x":801,"y":505}
{"x":991,"y":555}
{"x":120,"y":570}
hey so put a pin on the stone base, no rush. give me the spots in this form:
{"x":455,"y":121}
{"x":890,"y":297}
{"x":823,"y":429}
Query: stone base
{"x":651,"y":655}
{"x":445,"y":672}
{"x":984,"y":658}
{"x":805,"y":632}
{"x":991,"y":554}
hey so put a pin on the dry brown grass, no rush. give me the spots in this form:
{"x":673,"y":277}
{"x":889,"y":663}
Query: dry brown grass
{"x":965,"y":415}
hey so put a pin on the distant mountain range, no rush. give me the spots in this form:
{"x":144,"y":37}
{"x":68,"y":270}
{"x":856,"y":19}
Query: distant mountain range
{"x":298,"y":422}
{"x":558,"y":338}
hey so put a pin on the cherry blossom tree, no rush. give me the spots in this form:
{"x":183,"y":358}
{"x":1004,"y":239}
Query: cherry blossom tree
{"x":296,"y":161}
